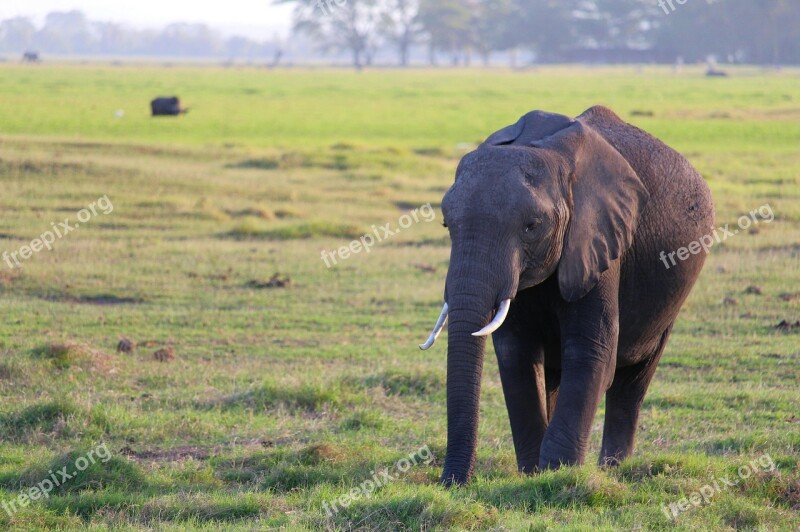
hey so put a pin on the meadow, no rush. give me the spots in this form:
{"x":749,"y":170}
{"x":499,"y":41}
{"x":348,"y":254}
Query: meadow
{"x":255,"y":386}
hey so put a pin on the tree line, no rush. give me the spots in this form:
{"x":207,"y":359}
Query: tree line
{"x":744,"y":31}
{"x":459,"y":32}
{"x":72,"y":33}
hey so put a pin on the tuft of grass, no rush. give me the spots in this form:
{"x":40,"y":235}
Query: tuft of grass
{"x":9,"y":372}
{"x":88,"y":471}
{"x":398,"y":382}
{"x":255,"y":212}
{"x":362,"y":420}
{"x":50,"y":418}
{"x":63,"y":355}
{"x":309,"y":397}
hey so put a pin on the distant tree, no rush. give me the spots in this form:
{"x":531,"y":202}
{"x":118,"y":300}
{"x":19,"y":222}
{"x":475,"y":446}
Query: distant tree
{"x":66,"y":32}
{"x":447,"y":25}
{"x":112,"y":38}
{"x":17,"y":34}
{"x":616,"y":23}
{"x":401,"y":26}
{"x":189,"y":40}
{"x":340,"y":25}
{"x":546,"y":26}
{"x":753,"y":31}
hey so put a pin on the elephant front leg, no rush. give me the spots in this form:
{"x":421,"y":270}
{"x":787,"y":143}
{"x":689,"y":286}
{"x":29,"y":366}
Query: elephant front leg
{"x":588,"y":359}
{"x":522,"y":377}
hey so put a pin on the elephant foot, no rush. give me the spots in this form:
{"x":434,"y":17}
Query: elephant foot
{"x":453,"y":480}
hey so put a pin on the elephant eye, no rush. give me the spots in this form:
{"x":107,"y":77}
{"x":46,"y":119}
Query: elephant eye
{"x":444,"y":224}
{"x":533,"y":225}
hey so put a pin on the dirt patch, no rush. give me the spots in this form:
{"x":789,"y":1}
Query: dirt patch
{"x":430,"y":152}
{"x":9,"y":277}
{"x":257,"y":212}
{"x":266,"y":163}
{"x":320,"y":453}
{"x":425,"y":242}
{"x":126,"y":345}
{"x":175,"y":454}
{"x":246,"y":231}
{"x":427,"y":268}
{"x":29,"y":167}
{"x":100,"y":300}
{"x":9,"y":372}
{"x":164,"y":354}
{"x":107,"y":299}
{"x":276,"y":281}
{"x":64,"y":354}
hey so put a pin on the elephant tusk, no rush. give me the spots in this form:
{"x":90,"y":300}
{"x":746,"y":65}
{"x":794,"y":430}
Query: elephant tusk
{"x":436,"y":330}
{"x":499,"y":318}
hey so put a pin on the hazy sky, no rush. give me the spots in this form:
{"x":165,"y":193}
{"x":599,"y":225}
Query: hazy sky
{"x":254,"y":18}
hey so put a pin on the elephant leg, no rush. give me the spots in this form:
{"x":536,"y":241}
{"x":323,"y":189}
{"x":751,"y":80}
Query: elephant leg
{"x":522,"y":375}
{"x":623,"y":402}
{"x":588,"y":358}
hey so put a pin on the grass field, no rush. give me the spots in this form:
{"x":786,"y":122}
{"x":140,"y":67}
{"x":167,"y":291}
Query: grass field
{"x":273,"y":396}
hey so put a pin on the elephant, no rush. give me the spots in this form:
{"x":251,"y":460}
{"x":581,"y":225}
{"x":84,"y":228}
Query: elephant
{"x":557,"y":229}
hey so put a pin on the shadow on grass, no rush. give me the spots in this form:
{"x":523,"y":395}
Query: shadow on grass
{"x":78,"y":471}
{"x":50,"y":417}
{"x":423,"y":384}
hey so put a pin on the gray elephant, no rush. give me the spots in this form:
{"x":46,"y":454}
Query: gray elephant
{"x":558,"y":228}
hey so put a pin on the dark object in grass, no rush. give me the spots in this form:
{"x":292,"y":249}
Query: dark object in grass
{"x":126,"y":346}
{"x":167,"y":106}
{"x":714,"y":73}
{"x":642,"y":113}
{"x":276,"y":281}
{"x":753,"y":289}
{"x":787,"y":296}
{"x":729,"y":302}
{"x":787,"y":326}
{"x":428,"y":268}
{"x":164,"y":354}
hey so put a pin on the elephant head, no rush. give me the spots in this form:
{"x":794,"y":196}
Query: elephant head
{"x":545,"y":196}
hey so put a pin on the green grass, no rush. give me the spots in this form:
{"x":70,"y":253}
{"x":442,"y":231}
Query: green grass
{"x":282,"y":398}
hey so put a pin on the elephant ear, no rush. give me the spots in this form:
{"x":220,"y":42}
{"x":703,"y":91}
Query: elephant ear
{"x":533,"y":126}
{"x":606,"y":197}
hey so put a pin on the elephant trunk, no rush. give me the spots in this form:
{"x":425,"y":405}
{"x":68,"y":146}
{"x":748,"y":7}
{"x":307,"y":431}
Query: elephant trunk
{"x":471,"y":298}
{"x":464,"y":370}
